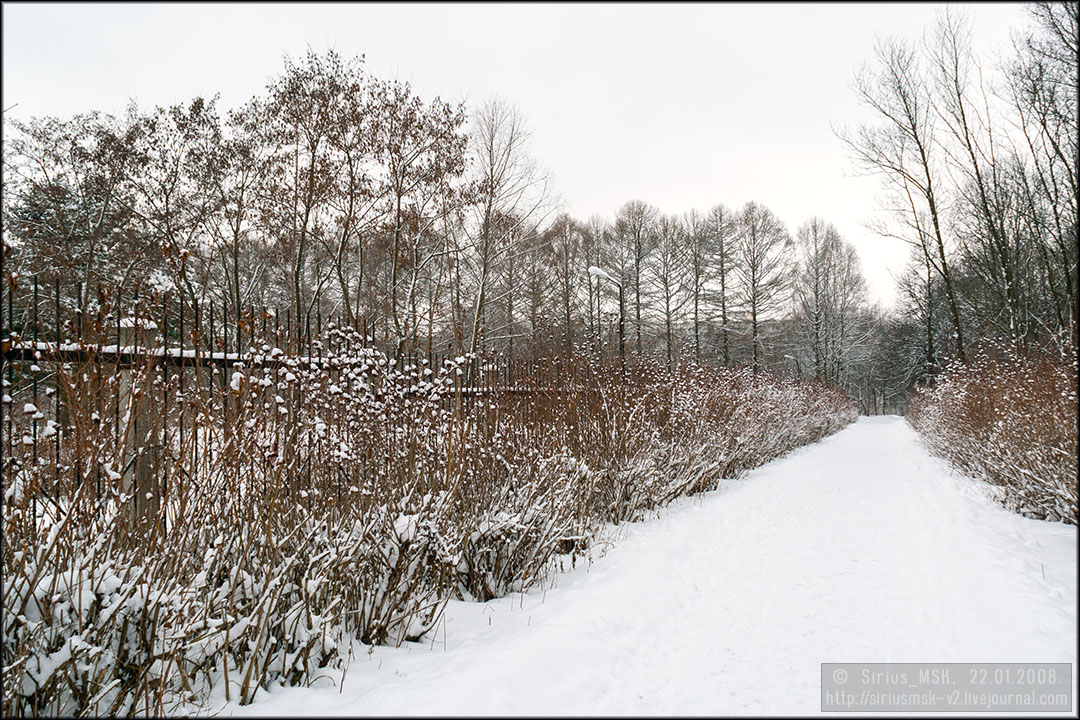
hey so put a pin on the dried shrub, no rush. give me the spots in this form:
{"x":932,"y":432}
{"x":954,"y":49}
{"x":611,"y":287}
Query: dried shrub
{"x":171,"y":531}
{"x":1011,"y":422}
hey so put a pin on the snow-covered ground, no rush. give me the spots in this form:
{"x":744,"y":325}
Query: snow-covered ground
{"x":861,"y":547}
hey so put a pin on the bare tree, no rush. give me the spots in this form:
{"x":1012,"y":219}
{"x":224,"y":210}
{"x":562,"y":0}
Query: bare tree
{"x":537,"y":282}
{"x":64,"y":199}
{"x":900,"y":145}
{"x":300,"y":180}
{"x":165,"y":197}
{"x":984,"y":174}
{"x":816,"y":243}
{"x":356,"y":203}
{"x":722,"y":229}
{"x":1041,"y":86}
{"x":422,"y":149}
{"x":232,"y":166}
{"x":595,"y":241}
{"x":635,"y":240}
{"x":830,"y":292}
{"x":504,"y":295}
{"x":568,"y":268}
{"x":669,"y":271}
{"x":763,"y":268}
{"x":700,"y":257}
{"x":512,"y":193}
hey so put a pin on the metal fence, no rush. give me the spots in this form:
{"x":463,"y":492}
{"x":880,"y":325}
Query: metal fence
{"x":132,"y":397}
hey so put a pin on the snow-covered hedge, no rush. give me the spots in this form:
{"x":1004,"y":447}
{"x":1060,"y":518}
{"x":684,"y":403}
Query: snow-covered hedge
{"x":296,"y":509}
{"x":1011,"y":423}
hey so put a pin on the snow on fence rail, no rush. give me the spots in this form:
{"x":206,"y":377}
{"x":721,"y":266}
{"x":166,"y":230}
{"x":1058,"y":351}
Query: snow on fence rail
{"x":120,"y":357}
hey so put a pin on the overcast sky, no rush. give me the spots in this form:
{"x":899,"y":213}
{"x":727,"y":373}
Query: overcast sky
{"x":682,"y":106}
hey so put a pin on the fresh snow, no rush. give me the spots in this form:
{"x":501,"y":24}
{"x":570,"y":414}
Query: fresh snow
{"x":859,"y":548}
{"x":597,"y":272}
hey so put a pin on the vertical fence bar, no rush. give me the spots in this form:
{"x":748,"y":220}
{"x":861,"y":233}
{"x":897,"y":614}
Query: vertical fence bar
{"x":224,"y":335}
{"x":307,"y":336}
{"x":34,"y":384}
{"x":196,"y":381}
{"x":161,"y":479}
{"x":322,"y":374}
{"x":210,"y":332}
{"x":100,"y":331}
{"x":56,"y":285}
{"x":79,"y":309}
{"x":56,"y":400}
{"x":116,"y":378}
{"x":213,"y":338}
{"x":239,"y":334}
{"x":181,"y":403}
{"x":134,"y":409}
{"x":224,"y":396}
{"x":133,"y":414}
{"x":10,"y":370}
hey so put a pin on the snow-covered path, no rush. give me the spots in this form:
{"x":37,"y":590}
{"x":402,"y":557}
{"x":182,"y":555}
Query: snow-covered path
{"x":859,"y":548}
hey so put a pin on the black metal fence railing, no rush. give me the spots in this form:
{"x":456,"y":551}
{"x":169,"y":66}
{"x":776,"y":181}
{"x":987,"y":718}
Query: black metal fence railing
{"x":128,"y":400}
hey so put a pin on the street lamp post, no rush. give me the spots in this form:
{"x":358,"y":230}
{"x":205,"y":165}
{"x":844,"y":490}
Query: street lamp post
{"x":597,"y":272}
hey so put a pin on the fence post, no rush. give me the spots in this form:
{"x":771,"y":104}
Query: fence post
{"x":139,"y":442}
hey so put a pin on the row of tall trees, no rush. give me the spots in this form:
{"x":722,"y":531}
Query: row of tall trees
{"x":979,"y":160}
{"x":720,"y":285}
{"x":338,"y":194}
{"x":334,"y":193}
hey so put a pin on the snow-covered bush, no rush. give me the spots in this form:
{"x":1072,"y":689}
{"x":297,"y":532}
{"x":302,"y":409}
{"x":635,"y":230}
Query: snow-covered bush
{"x":1012,"y":423}
{"x":168,"y":532}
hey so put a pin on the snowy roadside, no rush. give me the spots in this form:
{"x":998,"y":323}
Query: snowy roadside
{"x":861,"y":547}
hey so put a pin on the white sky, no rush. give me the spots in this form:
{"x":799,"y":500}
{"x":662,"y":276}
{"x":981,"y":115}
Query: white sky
{"x":682,"y":106}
